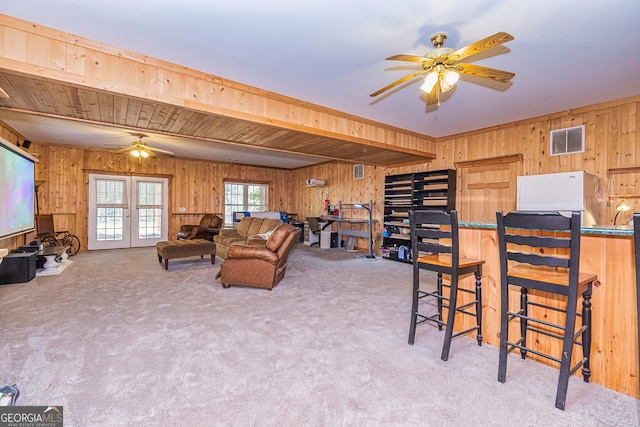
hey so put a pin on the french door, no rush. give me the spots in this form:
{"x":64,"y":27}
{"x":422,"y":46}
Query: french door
{"x":127,"y":211}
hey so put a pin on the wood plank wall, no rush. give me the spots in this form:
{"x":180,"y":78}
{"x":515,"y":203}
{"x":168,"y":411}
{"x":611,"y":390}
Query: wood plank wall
{"x":340,"y":186}
{"x":611,"y":143}
{"x":196,"y":185}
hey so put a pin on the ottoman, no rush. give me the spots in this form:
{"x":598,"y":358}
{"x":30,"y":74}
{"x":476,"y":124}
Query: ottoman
{"x":185,"y":248}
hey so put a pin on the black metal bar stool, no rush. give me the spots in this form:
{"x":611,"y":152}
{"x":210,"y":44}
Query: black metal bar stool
{"x":636,"y":248}
{"x":537,"y":254}
{"x":437,"y":248}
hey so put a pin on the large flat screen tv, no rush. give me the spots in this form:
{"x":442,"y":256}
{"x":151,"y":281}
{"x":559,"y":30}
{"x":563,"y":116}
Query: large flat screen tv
{"x":17,"y":191}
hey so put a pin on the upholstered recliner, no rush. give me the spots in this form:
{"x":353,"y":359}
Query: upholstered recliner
{"x":259,"y":264}
{"x":208,"y":223}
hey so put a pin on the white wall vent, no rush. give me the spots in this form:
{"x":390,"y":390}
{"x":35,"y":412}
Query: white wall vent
{"x":567,"y":141}
{"x":358,"y":171}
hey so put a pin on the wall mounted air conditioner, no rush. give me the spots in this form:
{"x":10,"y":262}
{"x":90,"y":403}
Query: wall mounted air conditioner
{"x":316,"y":182}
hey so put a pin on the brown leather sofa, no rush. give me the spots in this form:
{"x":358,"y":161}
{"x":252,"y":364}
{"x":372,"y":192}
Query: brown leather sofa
{"x":208,"y":223}
{"x":259,"y":264}
{"x":248,"y":227}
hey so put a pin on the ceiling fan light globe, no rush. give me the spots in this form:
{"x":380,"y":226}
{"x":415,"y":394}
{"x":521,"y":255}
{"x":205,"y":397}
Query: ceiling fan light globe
{"x":429,"y":82}
{"x":451,"y":77}
{"x":448,"y":79}
{"x":144,"y":153}
{"x":135,"y":153}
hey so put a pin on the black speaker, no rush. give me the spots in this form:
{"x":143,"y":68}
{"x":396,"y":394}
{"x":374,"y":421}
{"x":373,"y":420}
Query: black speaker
{"x":26,"y":143}
{"x":18,"y":267}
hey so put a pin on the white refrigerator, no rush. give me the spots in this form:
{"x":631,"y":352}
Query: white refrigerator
{"x":563,"y":192}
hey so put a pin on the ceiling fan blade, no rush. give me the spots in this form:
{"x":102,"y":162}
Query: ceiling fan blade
{"x":433,"y":97}
{"x":160,"y":150}
{"x":486,"y":72}
{"x":487,"y":43}
{"x":123,"y":150}
{"x":410,"y":58}
{"x":397,"y":82}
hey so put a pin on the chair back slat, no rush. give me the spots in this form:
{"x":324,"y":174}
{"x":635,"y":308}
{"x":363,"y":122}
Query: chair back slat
{"x":432,"y":248}
{"x":552,"y":221}
{"x":545,"y":233}
{"x":538,"y":241}
{"x":535,"y":259}
{"x":433,"y":233}
{"x":428,"y":234}
{"x":431,"y":217}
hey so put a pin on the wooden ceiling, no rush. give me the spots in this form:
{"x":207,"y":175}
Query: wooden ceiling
{"x":51,"y":98}
{"x":50,"y":73}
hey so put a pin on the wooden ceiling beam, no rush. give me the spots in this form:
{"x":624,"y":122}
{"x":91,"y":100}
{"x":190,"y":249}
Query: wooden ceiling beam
{"x":75,"y":78}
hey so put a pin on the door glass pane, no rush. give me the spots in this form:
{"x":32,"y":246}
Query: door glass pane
{"x":110,"y":224}
{"x":111,"y":202}
{"x":149,"y":223}
{"x":149,"y":210}
{"x":149,"y":194}
{"x":111,"y":192}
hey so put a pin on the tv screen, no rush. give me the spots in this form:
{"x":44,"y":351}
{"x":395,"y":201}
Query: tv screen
{"x":17,"y":191}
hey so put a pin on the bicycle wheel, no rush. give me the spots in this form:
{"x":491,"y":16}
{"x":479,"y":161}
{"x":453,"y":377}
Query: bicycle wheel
{"x":73,"y":242}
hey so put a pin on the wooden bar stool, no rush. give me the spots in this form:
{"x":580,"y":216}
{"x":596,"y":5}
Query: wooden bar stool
{"x":550,"y":264}
{"x":636,"y":248}
{"x":435,"y":247}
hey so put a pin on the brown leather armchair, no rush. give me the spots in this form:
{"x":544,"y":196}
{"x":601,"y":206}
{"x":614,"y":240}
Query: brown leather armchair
{"x":208,"y":223}
{"x":259,"y":264}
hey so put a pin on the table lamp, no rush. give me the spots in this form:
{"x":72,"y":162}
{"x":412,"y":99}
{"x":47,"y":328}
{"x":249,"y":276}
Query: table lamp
{"x":620,"y":207}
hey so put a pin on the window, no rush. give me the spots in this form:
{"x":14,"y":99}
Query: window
{"x":244,"y":197}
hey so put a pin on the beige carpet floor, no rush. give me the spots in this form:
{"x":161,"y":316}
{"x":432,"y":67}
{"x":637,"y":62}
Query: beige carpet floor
{"x":118,"y":341}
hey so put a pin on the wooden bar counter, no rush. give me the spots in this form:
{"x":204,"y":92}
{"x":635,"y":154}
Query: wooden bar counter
{"x":607,"y":252}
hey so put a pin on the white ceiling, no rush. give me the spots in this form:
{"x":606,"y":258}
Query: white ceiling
{"x":566,"y":54}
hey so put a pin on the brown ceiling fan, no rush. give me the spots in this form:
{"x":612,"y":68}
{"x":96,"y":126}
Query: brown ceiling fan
{"x":141,"y":150}
{"x":442,"y":65}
